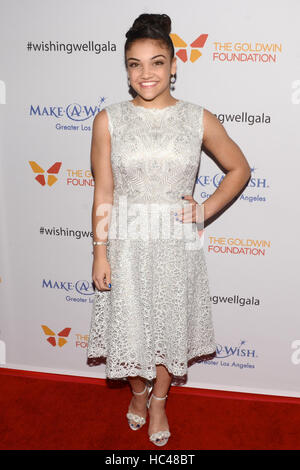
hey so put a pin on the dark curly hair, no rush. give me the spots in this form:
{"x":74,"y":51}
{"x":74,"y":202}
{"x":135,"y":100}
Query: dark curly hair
{"x":153,"y":26}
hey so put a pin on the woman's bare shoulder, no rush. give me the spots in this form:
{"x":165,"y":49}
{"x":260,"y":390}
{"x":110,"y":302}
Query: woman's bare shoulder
{"x":100,"y":122}
{"x":210,"y":121}
{"x":104,"y":117}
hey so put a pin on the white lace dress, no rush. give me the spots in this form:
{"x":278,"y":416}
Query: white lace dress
{"x":158,"y":310}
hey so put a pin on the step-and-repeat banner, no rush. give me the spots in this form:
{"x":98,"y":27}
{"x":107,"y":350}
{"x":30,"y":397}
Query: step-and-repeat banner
{"x":62,"y":62}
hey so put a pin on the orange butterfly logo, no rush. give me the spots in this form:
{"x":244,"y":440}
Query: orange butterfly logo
{"x":61,"y":336}
{"x":199,"y":43}
{"x":52,"y":171}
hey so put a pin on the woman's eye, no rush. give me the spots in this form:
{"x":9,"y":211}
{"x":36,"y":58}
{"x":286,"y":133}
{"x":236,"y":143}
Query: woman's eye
{"x":159,"y":62}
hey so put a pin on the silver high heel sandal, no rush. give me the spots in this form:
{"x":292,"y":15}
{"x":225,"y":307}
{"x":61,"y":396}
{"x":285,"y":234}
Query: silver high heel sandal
{"x":135,"y":421}
{"x":159,"y":438}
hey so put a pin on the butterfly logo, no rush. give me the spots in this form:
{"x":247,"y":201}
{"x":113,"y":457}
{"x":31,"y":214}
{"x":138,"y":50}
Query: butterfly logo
{"x":52,"y":336}
{"x":197,"y":44}
{"x":52,"y":171}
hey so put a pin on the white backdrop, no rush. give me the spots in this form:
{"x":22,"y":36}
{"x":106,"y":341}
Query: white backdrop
{"x":240,"y":60}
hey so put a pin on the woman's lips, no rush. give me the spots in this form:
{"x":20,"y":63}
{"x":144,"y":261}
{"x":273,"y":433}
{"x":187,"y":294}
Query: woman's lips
{"x":148,"y":84}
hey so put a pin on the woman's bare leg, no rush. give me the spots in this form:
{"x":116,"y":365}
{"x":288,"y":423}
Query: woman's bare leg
{"x":157,"y":414}
{"x":137,"y":383}
{"x":138,"y":402}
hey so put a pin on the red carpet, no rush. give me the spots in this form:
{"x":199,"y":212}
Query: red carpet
{"x":45,"y":411}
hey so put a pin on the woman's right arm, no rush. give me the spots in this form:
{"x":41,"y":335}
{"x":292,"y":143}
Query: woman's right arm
{"x":103,"y":197}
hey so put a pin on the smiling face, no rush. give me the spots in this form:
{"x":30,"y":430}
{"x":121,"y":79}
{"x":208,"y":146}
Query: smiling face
{"x":149,"y":69}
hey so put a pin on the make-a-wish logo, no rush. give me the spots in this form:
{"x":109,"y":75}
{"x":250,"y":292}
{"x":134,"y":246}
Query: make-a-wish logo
{"x":256,"y":184}
{"x":225,"y":351}
{"x":81,"y":287}
{"x":73,"y":113}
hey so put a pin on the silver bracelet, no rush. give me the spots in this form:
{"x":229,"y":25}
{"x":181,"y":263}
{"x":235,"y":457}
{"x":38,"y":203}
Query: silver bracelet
{"x":101,"y":243}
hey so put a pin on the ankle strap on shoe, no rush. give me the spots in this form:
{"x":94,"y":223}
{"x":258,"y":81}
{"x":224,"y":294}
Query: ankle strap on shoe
{"x":140,"y":393}
{"x":159,"y":398}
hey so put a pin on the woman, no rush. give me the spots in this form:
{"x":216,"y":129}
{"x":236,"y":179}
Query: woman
{"x":152,"y":310}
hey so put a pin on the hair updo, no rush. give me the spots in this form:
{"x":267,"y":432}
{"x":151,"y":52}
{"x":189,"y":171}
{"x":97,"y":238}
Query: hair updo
{"x":152,"y":26}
